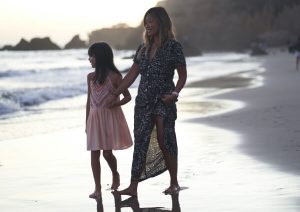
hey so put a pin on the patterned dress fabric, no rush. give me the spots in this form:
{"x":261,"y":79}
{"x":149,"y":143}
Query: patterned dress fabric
{"x":156,"y":81}
{"x":107,"y":128}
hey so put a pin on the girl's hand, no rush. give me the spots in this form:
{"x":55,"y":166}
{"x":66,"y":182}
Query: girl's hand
{"x":115,"y":103}
{"x":169,"y":98}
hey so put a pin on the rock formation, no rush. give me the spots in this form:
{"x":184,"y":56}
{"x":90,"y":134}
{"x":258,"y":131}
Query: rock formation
{"x":76,"y":43}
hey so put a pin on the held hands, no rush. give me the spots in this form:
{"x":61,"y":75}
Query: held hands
{"x":112,"y":101}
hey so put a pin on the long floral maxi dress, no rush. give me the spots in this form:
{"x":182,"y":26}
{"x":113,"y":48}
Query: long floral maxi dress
{"x":156,"y":81}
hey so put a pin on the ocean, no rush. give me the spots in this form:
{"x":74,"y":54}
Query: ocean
{"x":42,"y":91}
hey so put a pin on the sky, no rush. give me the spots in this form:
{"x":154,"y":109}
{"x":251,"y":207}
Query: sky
{"x":62,"y":19}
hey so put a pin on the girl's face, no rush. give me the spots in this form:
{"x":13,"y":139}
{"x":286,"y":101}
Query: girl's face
{"x":151,"y":26}
{"x":92,"y":60}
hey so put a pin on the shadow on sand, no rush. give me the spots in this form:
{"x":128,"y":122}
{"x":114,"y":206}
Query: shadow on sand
{"x":133,"y":203}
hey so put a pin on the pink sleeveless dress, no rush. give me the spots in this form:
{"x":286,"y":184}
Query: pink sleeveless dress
{"x":106,"y":128}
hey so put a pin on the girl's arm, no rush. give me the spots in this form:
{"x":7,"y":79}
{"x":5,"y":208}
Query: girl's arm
{"x":87,"y":110}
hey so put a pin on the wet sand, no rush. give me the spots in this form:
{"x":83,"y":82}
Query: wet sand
{"x":238,"y":151}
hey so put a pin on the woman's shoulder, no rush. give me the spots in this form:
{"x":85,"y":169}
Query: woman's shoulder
{"x":172,"y":44}
{"x":141,"y":46}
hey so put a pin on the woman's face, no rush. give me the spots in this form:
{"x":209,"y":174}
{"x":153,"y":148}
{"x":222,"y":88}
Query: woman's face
{"x":151,"y":26}
{"x":92,"y":60}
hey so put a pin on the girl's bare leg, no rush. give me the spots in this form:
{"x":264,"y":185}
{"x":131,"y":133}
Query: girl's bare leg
{"x":171,"y":161}
{"x":112,"y":163}
{"x":96,"y":168}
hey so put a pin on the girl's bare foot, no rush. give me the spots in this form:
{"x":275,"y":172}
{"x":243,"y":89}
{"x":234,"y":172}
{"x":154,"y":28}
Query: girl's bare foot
{"x":128,"y":191}
{"x":116,"y":182}
{"x":96,"y":194}
{"x":173,"y":189}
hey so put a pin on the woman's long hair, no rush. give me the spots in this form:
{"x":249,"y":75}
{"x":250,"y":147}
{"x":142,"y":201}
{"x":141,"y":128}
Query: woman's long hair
{"x":104,"y":61}
{"x":164,"y":24}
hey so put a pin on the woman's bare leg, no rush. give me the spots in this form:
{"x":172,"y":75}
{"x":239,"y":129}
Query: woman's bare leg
{"x":140,"y":145}
{"x":96,"y":168}
{"x":112,"y":163}
{"x":131,"y":190}
{"x":171,"y":161}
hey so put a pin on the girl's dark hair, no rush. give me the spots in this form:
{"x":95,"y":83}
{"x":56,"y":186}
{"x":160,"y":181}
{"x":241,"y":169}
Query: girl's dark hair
{"x":164,"y":23}
{"x":104,"y":61}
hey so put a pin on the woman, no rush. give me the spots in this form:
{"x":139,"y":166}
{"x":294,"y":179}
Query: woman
{"x":155,"y":148}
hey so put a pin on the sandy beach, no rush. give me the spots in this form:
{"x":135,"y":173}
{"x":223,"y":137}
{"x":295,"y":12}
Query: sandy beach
{"x":269,"y":122}
{"x":239,"y":151}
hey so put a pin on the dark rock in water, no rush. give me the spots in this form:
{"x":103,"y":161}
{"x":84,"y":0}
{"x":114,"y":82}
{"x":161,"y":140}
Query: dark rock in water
{"x":34,"y":44}
{"x":22,"y":45}
{"x":128,"y":56}
{"x":76,"y":43}
{"x":294,"y":48}
{"x":42,"y":44}
{"x":7,"y":47}
{"x":258,"y":51}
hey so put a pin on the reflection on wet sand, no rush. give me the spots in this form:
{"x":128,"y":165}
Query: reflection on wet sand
{"x":100,"y":205}
{"x":133,"y":203}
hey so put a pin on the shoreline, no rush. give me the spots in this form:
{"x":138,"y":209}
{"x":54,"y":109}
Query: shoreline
{"x":268,"y":123}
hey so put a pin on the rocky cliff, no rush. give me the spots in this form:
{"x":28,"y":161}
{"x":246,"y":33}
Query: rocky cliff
{"x":205,"y":25}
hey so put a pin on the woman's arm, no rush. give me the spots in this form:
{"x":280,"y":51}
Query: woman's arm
{"x":182,"y":75}
{"x":126,"y":95}
{"x":127,"y":81}
{"x":123,"y":86}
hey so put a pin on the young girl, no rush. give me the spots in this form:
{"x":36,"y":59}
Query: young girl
{"x":106,"y":126}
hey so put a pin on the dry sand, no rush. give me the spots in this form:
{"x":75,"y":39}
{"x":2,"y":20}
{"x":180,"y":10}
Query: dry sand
{"x":238,"y":151}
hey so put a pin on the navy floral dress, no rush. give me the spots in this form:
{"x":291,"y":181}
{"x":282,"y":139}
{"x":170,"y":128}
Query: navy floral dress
{"x":156,"y":81}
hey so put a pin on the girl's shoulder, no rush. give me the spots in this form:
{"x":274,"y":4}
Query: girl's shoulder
{"x":90,"y":75}
{"x":114,"y":77}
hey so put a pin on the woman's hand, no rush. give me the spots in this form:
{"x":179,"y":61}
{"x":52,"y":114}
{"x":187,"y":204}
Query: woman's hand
{"x":169,"y":98}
